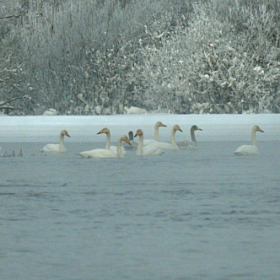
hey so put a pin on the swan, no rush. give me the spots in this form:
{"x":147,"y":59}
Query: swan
{"x":108,"y":140}
{"x":147,"y":150}
{"x":156,"y":134}
{"x":105,"y":153}
{"x":134,"y":110}
{"x":132,"y":144}
{"x":57,"y":147}
{"x":172,"y":145}
{"x":247,"y":150}
{"x":190,"y":144}
{"x":50,"y":112}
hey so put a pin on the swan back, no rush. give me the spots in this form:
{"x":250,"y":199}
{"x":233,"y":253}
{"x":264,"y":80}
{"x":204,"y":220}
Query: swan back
{"x":247,"y":150}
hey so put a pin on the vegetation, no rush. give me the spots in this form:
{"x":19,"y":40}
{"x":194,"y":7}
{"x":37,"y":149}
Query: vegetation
{"x":97,"y":56}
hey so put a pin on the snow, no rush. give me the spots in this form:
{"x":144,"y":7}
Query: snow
{"x":85,"y":128}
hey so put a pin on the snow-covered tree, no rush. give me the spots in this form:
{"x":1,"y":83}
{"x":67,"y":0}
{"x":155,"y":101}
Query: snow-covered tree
{"x":210,"y":68}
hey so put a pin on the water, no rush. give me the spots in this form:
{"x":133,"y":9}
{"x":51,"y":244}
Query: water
{"x":203,"y":214}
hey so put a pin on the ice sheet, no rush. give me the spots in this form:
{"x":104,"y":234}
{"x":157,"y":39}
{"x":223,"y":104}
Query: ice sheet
{"x":85,"y":128}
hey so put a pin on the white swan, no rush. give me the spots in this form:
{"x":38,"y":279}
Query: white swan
{"x":147,"y":150}
{"x":247,"y":150}
{"x":172,"y":145}
{"x":105,"y":153}
{"x":156,"y":134}
{"x":60,"y":148}
{"x":50,"y":112}
{"x":190,"y":144}
{"x":108,"y":141}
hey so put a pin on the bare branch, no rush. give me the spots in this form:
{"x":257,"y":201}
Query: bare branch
{"x":12,"y":99}
{"x":13,"y":16}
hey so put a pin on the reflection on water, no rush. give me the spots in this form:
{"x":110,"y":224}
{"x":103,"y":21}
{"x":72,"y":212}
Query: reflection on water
{"x":203,"y":214}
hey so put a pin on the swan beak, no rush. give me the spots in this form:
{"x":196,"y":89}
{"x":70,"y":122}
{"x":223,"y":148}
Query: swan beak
{"x":163,"y":125}
{"x":180,"y":130}
{"x":260,"y":130}
{"x":199,"y":129}
{"x":68,"y":135}
{"x":135,"y":135}
{"x":100,"y":132}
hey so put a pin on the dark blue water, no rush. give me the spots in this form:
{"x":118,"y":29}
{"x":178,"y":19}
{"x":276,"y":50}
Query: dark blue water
{"x":203,"y":214}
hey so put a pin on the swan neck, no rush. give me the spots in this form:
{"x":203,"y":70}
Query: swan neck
{"x":119,"y":150}
{"x":108,"y":140}
{"x":173,"y":142}
{"x":156,"y":134}
{"x":61,"y":142}
{"x":193,"y":135}
{"x":139,"y":151}
{"x":254,"y":139}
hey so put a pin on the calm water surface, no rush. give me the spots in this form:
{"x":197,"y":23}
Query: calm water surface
{"x":203,"y":214}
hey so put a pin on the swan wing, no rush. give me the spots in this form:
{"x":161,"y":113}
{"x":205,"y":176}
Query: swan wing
{"x":247,"y":150}
{"x":98,"y":153}
{"x":152,"y":150}
{"x":50,"y":148}
{"x":187,"y":145}
{"x":184,"y":144}
{"x":165,"y":146}
{"x":147,"y":142}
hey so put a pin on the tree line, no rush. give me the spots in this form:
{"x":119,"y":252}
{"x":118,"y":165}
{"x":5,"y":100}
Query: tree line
{"x":181,"y":56}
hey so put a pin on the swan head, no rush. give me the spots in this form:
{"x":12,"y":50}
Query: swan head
{"x":65,"y":133}
{"x":257,"y":128}
{"x":104,"y":130}
{"x":177,"y":127}
{"x":159,"y":124}
{"x":125,"y":139}
{"x":195,"y":127}
{"x":139,"y":132}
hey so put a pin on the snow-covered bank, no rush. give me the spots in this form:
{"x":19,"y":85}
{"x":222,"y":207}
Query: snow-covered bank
{"x":84,"y":128}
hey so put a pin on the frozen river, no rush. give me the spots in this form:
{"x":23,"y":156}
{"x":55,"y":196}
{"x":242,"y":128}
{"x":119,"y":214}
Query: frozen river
{"x":185,"y":215}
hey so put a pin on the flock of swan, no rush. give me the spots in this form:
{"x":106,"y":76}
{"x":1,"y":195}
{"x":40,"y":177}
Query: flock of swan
{"x":147,"y":147}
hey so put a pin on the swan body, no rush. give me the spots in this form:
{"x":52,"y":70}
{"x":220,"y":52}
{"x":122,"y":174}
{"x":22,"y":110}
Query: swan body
{"x":192,"y":145}
{"x":58,"y":148}
{"x":50,"y":112}
{"x":147,"y":150}
{"x":105,"y":153}
{"x":250,"y":150}
{"x":169,"y":146}
{"x":108,"y":141}
{"x":156,"y":134}
{"x":134,"y":110}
